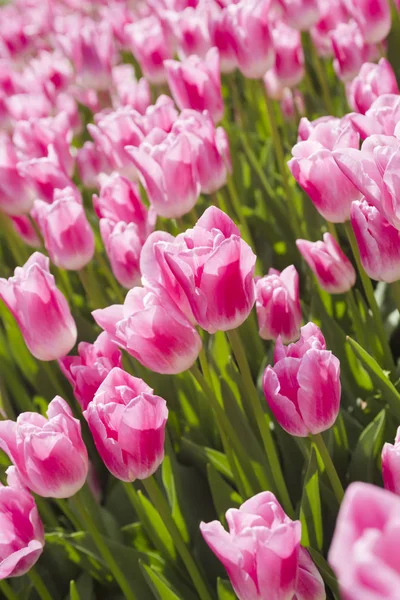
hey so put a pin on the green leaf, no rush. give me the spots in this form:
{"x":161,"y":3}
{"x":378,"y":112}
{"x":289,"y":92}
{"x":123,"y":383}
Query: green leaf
{"x":225,"y":590}
{"x":224,"y":496}
{"x":310,"y":509}
{"x":366,"y":456}
{"x":201,"y":456}
{"x":160,"y":587}
{"x":378,"y":376}
{"x":168,"y":477}
{"x":73,"y":591}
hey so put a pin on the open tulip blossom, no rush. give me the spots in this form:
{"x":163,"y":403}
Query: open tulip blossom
{"x":199,"y":299}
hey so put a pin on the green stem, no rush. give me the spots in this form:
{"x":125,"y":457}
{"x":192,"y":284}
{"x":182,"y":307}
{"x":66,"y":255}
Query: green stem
{"x":163,"y":509}
{"x":46,"y":512}
{"x":68,"y":512}
{"x":39,"y":584}
{"x":93,"y":507}
{"x":321,"y":74}
{"x":239,"y":213}
{"x":329,"y":466}
{"x":395,"y":287}
{"x":356,"y":318}
{"x":103,"y":548}
{"x":369,"y":292}
{"x":119,"y":294}
{"x":332,"y":230}
{"x":8,"y":591}
{"x":260,"y":417}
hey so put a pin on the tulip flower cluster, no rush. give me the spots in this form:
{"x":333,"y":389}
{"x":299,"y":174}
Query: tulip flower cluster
{"x":199,"y":299}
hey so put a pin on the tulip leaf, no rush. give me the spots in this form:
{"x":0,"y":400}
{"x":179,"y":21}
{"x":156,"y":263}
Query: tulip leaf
{"x":73,"y":591}
{"x":378,"y":376}
{"x":201,"y":456}
{"x":161,"y":589}
{"x":170,"y":487}
{"x":310,"y":509}
{"x":224,"y":496}
{"x":364,"y":465}
{"x":82,"y":588}
{"x":225,"y":590}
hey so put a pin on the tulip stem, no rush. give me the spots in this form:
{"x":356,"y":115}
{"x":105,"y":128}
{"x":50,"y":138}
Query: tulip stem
{"x":329,"y":466}
{"x":8,"y":591}
{"x":161,"y":505}
{"x":308,"y":44}
{"x":369,"y":292}
{"x":39,"y":584}
{"x":260,"y":417}
{"x":396,"y":293}
{"x":103,"y":547}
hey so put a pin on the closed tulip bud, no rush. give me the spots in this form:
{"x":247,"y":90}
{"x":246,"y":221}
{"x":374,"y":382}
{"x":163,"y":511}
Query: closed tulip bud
{"x":300,"y":14}
{"x":363,"y":550}
{"x":350,"y":50}
{"x":128,"y":91}
{"x":41,"y":311}
{"x":262,"y":554}
{"x":378,"y":242}
{"x":49,"y":454}
{"x":151,"y":328}
{"x":331,"y":267}
{"x":23,"y":532}
{"x":196,"y":83}
{"x":88,"y":370}
{"x":332,"y":12}
{"x":67,"y":235}
{"x":221,"y":26}
{"x":278,"y":305}
{"x":391,"y":465}
{"x":45,"y":175}
{"x":373,"y":18}
{"x":16,"y":192}
{"x":191,"y":32}
{"x":26,"y":231}
{"x":303,"y":387}
{"x":371,"y":82}
{"x":292,"y":104}
{"x":128,"y":422}
{"x":123,"y":245}
{"x":289,"y":56}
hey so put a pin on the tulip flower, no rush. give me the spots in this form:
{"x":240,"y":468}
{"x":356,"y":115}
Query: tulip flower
{"x":150,"y":327}
{"x":88,"y":370}
{"x":303,"y":387}
{"x":350,"y":50}
{"x":22,"y":530}
{"x":331,"y":267}
{"x":373,"y":18}
{"x":123,"y":245}
{"x":191,"y":32}
{"x":371,"y":82}
{"x":391,"y":465}
{"x":289,"y":56}
{"x":128,"y":422}
{"x":300,"y":14}
{"x":128,"y":91}
{"x":16,"y":192}
{"x":381,"y":118}
{"x":41,"y":311}
{"x":330,"y":132}
{"x":332,"y":12}
{"x":262,"y":554}
{"x":378,"y":242}
{"x":278,"y":305}
{"x":196,"y":83}
{"x":91,"y":162}
{"x":161,"y":115}
{"x":363,"y":550}
{"x":45,"y":175}
{"x":223,"y":35}
{"x":292,"y":104}
{"x":67,"y":235}
{"x":26,"y":231}
{"x":219,"y":287}
{"x":49,"y":454}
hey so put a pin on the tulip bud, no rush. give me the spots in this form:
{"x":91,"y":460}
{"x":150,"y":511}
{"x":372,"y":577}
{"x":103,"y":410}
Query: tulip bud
{"x":45,"y":175}
{"x":16,"y":192}
{"x":292,"y":104}
{"x":26,"y":231}
{"x":223,"y":36}
{"x":371,"y":82}
{"x":23,"y":533}
{"x":196,"y":83}
{"x":289,"y":56}
{"x":49,"y":454}
{"x":150,"y":327}
{"x":128,"y":422}
{"x":300,"y":14}
{"x":332,"y":12}
{"x":363,"y":550}
{"x":123,"y":245}
{"x":350,"y":50}
{"x":303,"y":387}
{"x":330,"y":265}
{"x":88,"y":370}
{"x":128,"y":91}
{"x":278,"y":305}
{"x":378,"y":242}
{"x":373,"y":18}
{"x":67,"y":235}
{"x":40,"y":309}
{"x":91,"y":161}
{"x":260,"y":533}
{"x":391,"y":465}
{"x":191,"y":32}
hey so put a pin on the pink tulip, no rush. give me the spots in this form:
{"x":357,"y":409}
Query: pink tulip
{"x":278,"y":305}
{"x":26,"y":231}
{"x":16,"y":193}
{"x":378,"y":242}
{"x":161,"y":115}
{"x":329,"y":131}
{"x":51,"y":71}
{"x":303,"y":387}
{"x":151,"y":44}
{"x":350,"y":50}
{"x":331,"y":267}
{"x":373,"y":18}
{"x":23,"y":533}
{"x":128,"y":91}
{"x":45,"y":175}
{"x":168,"y":173}
{"x":300,"y":14}
{"x":91,"y":162}
{"x":223,"y":35}
{"x":67,"y":235}
{"x":128,"y":422}
{"x":119,"y":200}
{"x":289,"y":56}
{"x":49,"y":454}
{"x":363,"y":552}
{"x":196,"y":83}
{"x":40,"y":309}
{"x":123,"y":244}
{"x":191,"y":32}
{"x":88,"y":370}
{"x":391,"y":465}
{"x":214,"y":268}
{"x":332,"y":12}
{"x":262,"y":554}
{"x":292,"y":104}
{"x":382,"y":117}
{"x":150,"y":327}
{"x":371,"y":82}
